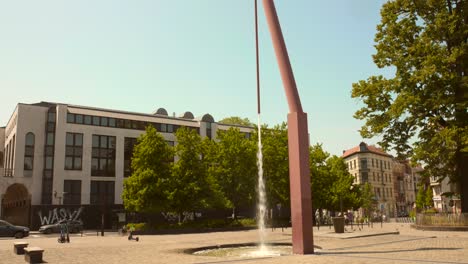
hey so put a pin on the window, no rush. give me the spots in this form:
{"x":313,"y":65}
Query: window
{"x":102,"y":192}
{"x":72,"y":192}
{"x":96,"y":120}
{"x":73,"y":151}
{"x":354,"y":163}
{"x":129,"y":144}
{"x":163,"y":128}
{"x":170,"y":128}
{"x":50,"y":139}
{"x":112,"y":122}
{"x":104,"y":121}
{"x":364,"y":164}
{"x":103,"y":156}
{"x":87,"y":120}
{"x":365,"y":177}
{"x":70,"y":118}
{"x":79,"y":119}
{"x":1,"y":159}
{"x":29,"y":152}
{"x":372,"y":162}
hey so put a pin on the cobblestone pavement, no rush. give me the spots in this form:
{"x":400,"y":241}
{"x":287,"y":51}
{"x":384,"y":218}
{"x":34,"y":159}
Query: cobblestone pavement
{"x":380,"y":245}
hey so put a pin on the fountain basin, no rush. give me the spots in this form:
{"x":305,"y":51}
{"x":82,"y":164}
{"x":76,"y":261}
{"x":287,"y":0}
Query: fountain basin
{"x":245,"y":250}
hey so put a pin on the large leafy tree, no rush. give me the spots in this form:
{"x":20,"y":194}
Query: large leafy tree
{"x":275,"y":163}
{"x":189,"y":184}
{"x":426,"y":101}
{"x":233,"y":165}
{"x":145,"y":190}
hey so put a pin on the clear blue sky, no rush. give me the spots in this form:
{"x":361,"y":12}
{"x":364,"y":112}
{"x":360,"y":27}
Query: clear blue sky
{"x":189,"y":55}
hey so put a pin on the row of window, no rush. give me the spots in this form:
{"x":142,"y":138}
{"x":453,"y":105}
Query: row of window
{"x":386,"y":192}
{"x":102,"y":155}
{"x":373,"y":164}
{"x":102,"y":192}
{"x":121,"y":123}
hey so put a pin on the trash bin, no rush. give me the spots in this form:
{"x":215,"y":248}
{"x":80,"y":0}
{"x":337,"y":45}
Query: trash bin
{"x":338,"y":224}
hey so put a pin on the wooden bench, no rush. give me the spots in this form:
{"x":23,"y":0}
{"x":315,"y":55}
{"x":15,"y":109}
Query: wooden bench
{"x":33,"y":254}
{"x":18,"y":247}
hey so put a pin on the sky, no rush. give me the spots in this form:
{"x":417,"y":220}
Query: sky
{"x":190,"y":55}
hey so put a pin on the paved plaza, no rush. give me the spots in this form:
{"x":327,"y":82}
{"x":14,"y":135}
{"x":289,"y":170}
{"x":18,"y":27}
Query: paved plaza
{"x":392,"y":243}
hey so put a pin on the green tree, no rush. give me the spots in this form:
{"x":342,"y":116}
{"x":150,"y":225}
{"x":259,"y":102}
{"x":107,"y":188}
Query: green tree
{"x":144,"y":190}
{"x":275,"y":163}
{"x":233,"y":166}
{"x":321,"y":182}
{"x":344,"y":195}
{"x":367,"y":198}
{"x":429,"y":202}
{"x":235,"y":120}
{"x":189,"y":185}
{"x":426,"y":100}
{"x":421,"y":198}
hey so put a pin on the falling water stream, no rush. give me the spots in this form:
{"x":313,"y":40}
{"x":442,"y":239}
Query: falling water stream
{"x":261,"y":206}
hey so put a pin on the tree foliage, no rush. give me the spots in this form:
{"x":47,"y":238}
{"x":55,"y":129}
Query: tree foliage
{"x":145,"y":190}
{"x":189,"y":184}
{"x":332,"y":184}
{"x":234,"y":167}
{"x":275,"y":163}
{"x":427,"y":99}
{"x":235,"y":120}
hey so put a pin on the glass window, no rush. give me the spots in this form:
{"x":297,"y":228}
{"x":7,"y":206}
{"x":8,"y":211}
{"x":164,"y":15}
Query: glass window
{"x":128,"y":124}
{"x":170,"y":128}
{"x":95,"y":141}
{"x":68,"y":163}
{"x":78,"y":119}
{"x":72,"y":192}
{"x":49,"y":163}
{"x":69,"y":139}
{"x":103,"y":121}
{"x":112,"y":122}
{"x":103,"y":141}
{"x":120,"y":123}
{"x":78,"y":139}
{"x":51,"y":117}
{"x":103,"y":156}
{"x":96,"y":120}
{"x":87,"y":120}
{"x":70,"y":118}
{"x":73,"y":151}
{"x":163,"y":127}
{"x":50,"y":139}
{"x":29,"y":139}
{"x":28,"y":163}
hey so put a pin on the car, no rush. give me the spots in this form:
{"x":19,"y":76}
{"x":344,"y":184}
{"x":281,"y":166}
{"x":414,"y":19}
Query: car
{"x":9,"y":230}
{"x":74,"y":226}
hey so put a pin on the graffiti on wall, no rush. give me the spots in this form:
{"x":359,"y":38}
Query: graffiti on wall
{"x":186,"y":216}
{"x":57,"y":214}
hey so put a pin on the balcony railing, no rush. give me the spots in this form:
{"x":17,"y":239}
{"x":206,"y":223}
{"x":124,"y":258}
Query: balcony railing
{"x":442,"y":219}
{"x":6,"y":172}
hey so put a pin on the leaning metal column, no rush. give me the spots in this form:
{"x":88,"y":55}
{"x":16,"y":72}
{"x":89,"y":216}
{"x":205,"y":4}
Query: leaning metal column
{"x":298,"y":143}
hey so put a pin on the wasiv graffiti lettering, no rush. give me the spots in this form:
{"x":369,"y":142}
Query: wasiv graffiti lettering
{"x":57,"y":214}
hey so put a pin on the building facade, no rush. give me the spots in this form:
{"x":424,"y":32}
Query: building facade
{"x":60,"y":160}
{"x":369,"y":164}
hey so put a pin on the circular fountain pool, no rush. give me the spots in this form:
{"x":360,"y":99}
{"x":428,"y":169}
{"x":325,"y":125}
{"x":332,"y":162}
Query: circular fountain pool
{"x":250,"y":250}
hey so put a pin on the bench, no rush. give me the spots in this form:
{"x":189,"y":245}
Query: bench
{"x":33,"y":254}
{"x":18,"y":247}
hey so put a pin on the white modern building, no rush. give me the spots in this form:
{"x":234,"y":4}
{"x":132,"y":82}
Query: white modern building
{"x":56,"y":159}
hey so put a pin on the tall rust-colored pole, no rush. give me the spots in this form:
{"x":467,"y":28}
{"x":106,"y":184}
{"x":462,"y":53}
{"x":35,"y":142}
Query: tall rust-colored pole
{"x":298,"y":143}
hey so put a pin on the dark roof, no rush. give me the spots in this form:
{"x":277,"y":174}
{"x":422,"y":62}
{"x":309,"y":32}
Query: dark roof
{"x":364,"y":148}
